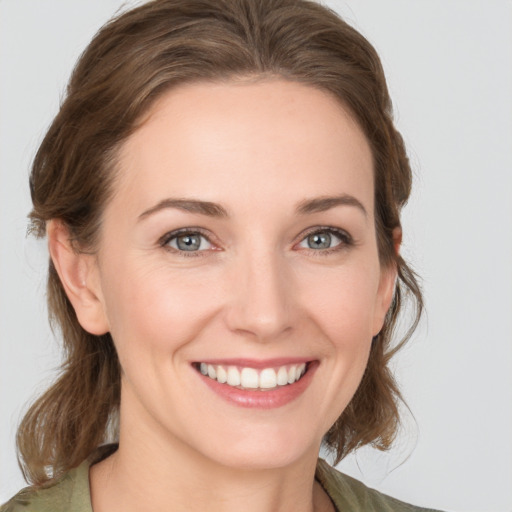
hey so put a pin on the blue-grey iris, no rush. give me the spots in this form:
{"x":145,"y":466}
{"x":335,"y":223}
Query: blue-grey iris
{"x":188,"y":242}
{"x":319,"y":241}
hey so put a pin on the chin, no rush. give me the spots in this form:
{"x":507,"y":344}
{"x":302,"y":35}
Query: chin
{"x":265,"y":448}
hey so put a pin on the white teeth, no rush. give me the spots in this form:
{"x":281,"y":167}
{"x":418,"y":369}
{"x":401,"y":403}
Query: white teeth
{"x":268,"y":378}
{"x":292,"y":372}
{"x":222,"y":375}
{"x":282,"y":376}
{"x":211,"y":372}
{"x":250,"y":378}
{"x":233,"y":376}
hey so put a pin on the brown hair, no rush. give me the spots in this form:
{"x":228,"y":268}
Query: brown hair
{"x":132,"y":61}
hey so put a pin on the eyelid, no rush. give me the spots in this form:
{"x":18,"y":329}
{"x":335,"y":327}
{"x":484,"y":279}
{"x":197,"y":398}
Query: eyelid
{"x":164,"y":240}
{"x":346,"y":240}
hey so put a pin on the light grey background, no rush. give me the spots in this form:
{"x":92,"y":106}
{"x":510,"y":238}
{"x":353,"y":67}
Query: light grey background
{"x":449,"y":68}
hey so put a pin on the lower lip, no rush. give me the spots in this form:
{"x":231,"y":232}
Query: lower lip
{"x":268,"y":399}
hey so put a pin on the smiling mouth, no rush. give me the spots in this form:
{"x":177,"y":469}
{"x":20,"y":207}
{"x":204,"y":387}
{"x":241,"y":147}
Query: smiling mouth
{"x":247,"y":378}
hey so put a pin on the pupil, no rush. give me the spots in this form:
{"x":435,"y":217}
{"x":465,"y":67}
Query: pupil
{"x":319,"y":241}
{"x":188,"y":242}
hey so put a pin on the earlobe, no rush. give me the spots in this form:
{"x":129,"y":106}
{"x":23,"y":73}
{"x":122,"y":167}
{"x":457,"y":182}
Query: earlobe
{"x":397,"y":240}
{"x":78,"y":274}
{"x":387,"y":285}
{"x":386,"y":293}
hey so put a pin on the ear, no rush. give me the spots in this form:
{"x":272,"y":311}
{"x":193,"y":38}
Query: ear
{"x":387,"y":284}
{"x":79,"y":275}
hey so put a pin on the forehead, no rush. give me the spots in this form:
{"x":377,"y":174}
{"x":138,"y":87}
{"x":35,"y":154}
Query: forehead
{"x":272,"y":140}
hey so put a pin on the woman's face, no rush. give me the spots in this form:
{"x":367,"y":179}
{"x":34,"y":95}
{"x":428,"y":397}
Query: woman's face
{"x":240,"y":243}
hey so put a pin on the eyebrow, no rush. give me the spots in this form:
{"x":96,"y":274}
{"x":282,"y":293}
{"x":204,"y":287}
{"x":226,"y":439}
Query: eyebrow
{"x":324,"y":203}
{"x":189,"y":205}
{"x":210,"y":209}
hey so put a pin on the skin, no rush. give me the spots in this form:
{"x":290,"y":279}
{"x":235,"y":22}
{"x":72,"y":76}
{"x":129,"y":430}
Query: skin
{"x":255,"y":289}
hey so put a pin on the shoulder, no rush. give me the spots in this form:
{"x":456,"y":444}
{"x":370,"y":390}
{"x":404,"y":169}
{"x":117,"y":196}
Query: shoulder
{"x":55,"y":497}
{"x":70,"y":493}
{"x":347,"y":493}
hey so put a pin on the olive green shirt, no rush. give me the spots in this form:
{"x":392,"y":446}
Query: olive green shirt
{"x":72,"y":494}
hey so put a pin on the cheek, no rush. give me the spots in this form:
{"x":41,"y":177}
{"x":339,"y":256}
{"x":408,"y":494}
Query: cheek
{"x":343,"y":303}
{"x":341,"y":307}
{"x":156,"y":310}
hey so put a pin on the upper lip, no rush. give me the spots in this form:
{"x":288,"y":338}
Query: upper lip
{"x":256,"y":363}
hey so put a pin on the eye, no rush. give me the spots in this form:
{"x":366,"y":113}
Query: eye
{"x":326,"y":240}
{"x":186,"y":241}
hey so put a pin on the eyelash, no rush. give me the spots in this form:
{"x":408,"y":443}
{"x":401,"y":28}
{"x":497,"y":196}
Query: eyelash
{"x":168,"y":237}
{"x":345,"y":241}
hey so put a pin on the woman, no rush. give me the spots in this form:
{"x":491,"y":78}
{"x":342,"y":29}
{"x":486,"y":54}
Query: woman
{"x":221,"y":193}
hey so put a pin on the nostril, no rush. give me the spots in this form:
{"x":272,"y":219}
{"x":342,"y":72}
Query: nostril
{"x":261,"y":304}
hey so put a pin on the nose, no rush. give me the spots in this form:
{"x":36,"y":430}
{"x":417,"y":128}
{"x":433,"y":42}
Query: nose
{"x":262,"y":305}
